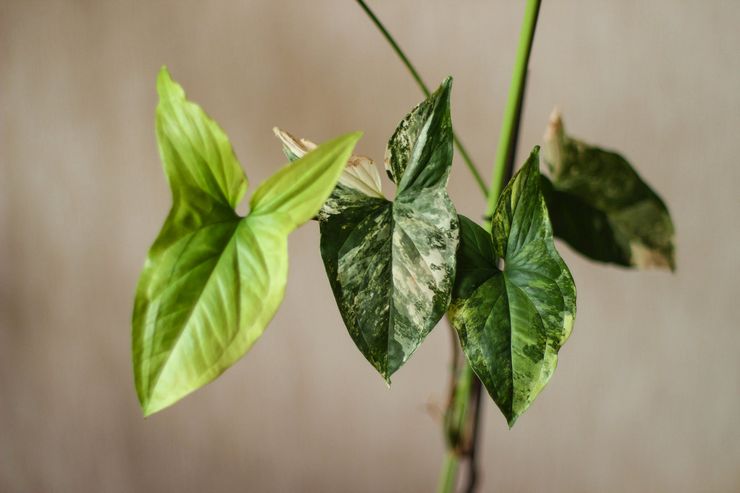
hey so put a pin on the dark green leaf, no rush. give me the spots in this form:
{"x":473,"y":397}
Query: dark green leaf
{"x":213,"y":280}
{"x":601,"y":207}
{"x":512,"y":322}
{"x":391,"y":265}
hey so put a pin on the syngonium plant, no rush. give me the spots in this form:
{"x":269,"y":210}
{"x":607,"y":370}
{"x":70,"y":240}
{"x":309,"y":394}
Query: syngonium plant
{"x":213,"y":280}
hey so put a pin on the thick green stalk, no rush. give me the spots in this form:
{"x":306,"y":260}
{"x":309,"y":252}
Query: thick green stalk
{"x":516,"y":89}
{"x":425,"y":89}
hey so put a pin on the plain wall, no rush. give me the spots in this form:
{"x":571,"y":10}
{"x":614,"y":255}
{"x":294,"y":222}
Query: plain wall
{"x":647,"y":393}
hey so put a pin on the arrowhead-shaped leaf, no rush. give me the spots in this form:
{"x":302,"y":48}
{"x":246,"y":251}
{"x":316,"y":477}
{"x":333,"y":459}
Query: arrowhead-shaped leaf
{"x":213,"y":280}
{"x":391,"y":265}
{"x":512,"y":322}
{"x":601,"y":207}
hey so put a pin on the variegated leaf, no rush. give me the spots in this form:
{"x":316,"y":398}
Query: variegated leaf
{"x":391,"y":265}
{"x":513,"y":321}
{"x":601,"y":207}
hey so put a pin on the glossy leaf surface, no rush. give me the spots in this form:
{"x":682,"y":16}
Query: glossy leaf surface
{"x":391,"y":264}
{"x":213,"y":280}
{"x":512,"y":322}
{"x":601,"y":207}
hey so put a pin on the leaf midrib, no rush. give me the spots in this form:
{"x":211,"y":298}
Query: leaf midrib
{"x":172,"y":351}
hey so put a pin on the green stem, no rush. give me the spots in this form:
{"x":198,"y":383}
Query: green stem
{"x":454,"y":426}
{"x":448,"y":476}
{"x":516,"y":89}
{"x":455,"y":420}
{"x":458,"y":411}
{"x":420,"y":82}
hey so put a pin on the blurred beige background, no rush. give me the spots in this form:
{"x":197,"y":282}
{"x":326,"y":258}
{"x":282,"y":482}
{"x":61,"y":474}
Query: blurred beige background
{"x":647,"y":394}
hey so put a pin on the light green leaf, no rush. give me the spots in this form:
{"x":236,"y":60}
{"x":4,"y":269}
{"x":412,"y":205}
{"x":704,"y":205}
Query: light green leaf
{"x":512,"y":322}
{"x":213,"y":280}
{"x":601,"y":207}
{"x":205,"y":175}
{"x":391,"y":265}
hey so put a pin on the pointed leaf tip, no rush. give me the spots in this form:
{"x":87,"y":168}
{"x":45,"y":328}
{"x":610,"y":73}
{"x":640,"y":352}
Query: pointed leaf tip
{"x":443,"y":92}
{"x":146,"y":409}
{"x":354,"y":136}
{"x":167,"y":88}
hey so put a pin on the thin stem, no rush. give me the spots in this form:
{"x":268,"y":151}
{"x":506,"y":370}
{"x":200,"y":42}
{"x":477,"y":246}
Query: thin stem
{"x":395,"y":47}
{"x":516,"y":89}
{"x":420,"y":82}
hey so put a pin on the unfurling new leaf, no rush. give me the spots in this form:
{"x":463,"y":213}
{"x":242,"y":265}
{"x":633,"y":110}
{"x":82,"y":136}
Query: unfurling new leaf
{"x":512,"y":322}
{"x":213,"y":280}
{"x":601,"y":207}
{"x":391,"y":265}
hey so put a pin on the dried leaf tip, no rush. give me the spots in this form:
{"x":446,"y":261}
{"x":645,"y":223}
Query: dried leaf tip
{"x":359,"y":174}
{"x":552,"y":146}
{"x":167,"y":88}
{"x":554,"y":125}
{"x":296,"y":147}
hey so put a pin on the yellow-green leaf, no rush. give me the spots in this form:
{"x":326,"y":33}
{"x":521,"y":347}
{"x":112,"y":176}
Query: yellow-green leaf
{"x":213,"y":280}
